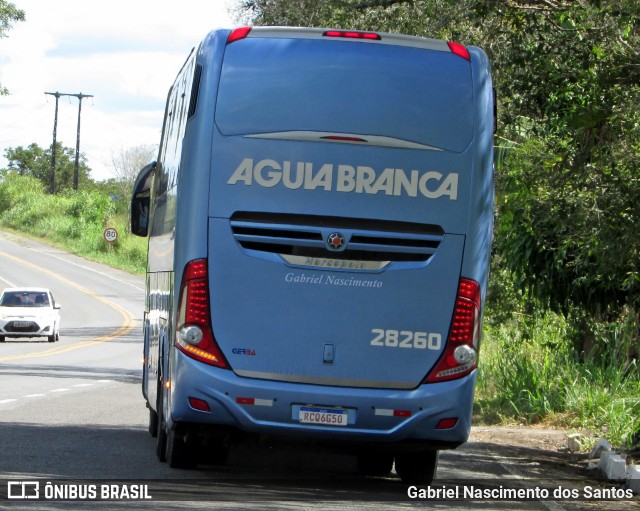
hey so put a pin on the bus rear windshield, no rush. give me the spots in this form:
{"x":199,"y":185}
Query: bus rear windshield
{"x":278,"y":85}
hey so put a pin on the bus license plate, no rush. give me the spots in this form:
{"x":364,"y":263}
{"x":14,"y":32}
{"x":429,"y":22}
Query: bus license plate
{"x":323,"y":416}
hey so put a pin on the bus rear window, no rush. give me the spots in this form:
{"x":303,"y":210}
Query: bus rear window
{"x":276,"y":85}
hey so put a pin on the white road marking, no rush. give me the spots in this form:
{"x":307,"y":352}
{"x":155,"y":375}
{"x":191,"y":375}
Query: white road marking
{"x":58,"y":390}
{"x":7,"y":282}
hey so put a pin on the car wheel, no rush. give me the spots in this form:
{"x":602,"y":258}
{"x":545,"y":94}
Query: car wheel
{"x":417,"y":467}
{"x":51,"y":338}
{"x":375,"y":464}
{"x":2,"y":339}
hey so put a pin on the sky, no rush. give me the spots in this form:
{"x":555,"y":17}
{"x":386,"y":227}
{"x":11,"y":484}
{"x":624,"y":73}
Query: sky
{"x":125,"y":53}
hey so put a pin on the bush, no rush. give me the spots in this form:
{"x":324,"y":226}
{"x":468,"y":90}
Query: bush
{"x":530,"y":372}
{"x":73,"y":220}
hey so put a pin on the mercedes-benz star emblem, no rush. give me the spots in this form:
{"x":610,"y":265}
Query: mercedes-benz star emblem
{"x":335,"y":241}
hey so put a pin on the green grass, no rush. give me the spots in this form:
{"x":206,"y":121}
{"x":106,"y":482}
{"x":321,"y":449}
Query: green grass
{"x":539,"y":378}
{"x":72,"y":221}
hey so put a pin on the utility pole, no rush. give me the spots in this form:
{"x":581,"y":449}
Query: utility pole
{"x":52,"y":172}
{"x":55,"y":124}
{"x":75,"y":167}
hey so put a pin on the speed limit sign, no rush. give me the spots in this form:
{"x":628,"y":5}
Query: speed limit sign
{"x":110,"y":234}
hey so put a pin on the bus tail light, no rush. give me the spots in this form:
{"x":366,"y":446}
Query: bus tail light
{"x":238,"y":33}
{"x":352,"y":34}
{"x":459,"y":49}
{"x":460,"y":355}
{"x":194,"y":335}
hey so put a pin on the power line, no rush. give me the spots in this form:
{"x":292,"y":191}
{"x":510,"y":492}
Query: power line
{"x":57,"y":95}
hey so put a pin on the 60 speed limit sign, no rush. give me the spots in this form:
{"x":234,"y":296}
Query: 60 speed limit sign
{"x":110,"y":234}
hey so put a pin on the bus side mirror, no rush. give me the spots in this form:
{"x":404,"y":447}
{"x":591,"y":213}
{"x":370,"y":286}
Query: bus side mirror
{"x":141,"y":200}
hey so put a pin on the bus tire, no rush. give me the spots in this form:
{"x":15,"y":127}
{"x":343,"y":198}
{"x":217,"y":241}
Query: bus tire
{"x":161,"y":435}
{"x":153,"y":423}
{"x":181,"y":450}
{"x":375,"y":464}
{"x":214,"y":451}
{"x":417,"y":467}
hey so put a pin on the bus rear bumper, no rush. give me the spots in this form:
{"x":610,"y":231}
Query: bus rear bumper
{"x":432,"y":415}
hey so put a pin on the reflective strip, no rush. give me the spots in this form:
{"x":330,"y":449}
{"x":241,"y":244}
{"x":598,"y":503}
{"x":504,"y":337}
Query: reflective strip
{"x":254,"y":401}
{"x":393,"y":413}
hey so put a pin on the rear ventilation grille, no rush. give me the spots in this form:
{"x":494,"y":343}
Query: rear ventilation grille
{"x":296,"y":237}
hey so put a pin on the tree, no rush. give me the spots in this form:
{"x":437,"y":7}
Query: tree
{"x":8,"y":14}
{"x":569,"y":77}
{"x":36,"y":161}
{"x":127,"y":164}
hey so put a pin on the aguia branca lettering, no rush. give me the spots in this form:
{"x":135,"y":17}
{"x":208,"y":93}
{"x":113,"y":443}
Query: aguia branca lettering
{"x":345,"y":178}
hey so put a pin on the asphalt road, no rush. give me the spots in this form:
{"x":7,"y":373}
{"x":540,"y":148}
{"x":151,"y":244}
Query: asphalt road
{"x":72,"y":414}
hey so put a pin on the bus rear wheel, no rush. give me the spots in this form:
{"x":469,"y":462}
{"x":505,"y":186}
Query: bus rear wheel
{"x":153,"y":423}
{"x":182,"y":448}
{"x":373,"y":464}
{"x":161,"y":431}
{"x":417,"y":467}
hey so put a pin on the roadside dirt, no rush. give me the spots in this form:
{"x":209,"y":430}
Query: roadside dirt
{"x":523,"y":436}
{"x":528,"y":453}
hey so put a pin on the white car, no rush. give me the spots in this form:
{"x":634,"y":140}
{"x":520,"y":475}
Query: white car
{"x":29,"y":312}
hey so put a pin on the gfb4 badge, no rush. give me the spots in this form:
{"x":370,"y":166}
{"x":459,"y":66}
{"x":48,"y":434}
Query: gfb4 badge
{"x":335,"y":241}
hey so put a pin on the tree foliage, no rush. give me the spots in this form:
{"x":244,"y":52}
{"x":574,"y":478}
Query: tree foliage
{"x":8,"y":14}
{"x":567,"y":74}
{"x":128,"y":161}
{"x":569,"y":181}
{"x":36,"y":161}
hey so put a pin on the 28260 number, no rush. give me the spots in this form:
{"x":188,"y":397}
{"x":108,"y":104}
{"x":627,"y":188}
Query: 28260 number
{"x":406,"y":339}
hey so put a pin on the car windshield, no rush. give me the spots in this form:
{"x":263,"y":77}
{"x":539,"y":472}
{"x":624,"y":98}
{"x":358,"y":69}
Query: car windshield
{"x":24,"y":299}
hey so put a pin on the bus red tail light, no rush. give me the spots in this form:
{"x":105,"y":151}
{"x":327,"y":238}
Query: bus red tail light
{"x":238,"y":33}
{"x":459,"y":49}
{"x":460,"y":355}
{"x":194,"y":335}
{"x":352,"y":34}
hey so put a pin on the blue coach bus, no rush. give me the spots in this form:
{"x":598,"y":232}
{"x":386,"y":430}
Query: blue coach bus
{"x":319,"y":222}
